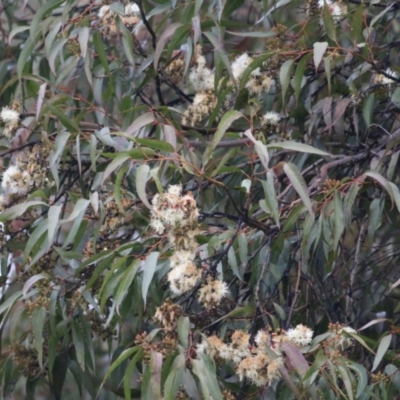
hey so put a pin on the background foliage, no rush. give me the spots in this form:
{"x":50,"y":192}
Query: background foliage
{"x":298,"y":215}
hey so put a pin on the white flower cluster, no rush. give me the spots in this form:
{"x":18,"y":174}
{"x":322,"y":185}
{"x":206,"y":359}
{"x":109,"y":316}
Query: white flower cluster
{"x":200,"y":77}
{"x":271,"y":118}
{"x":177,"y":214}
{"x":212,"y":292}
{"x":11,"y":119}
{"x":202,"y":80}
{"x":257,"y":82}
{"x":15,"y":181}
{"x":255,"y":362}
{"x":132,"y":9}
{"x":385,"y":80}
{"x":300,"y":336}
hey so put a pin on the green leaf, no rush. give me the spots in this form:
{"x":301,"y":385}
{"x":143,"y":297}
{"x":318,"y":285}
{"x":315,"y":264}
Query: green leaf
{"x":78,"y":342}
{"x":299,"y":75}
{"x":142,"y":175}
{"x":319,"y":51}
{"x":38,"y":320}
{"x":148,"y":272}
{"x":382,"y":349}
{"x":225,"y":123}
{"x":363,"y":378}
{"x":183,"y":331}
{"x":129,"y":372}
{"x":140,"y":122}
{"x":114,"y":164}
{"x":17,"y":210}
{"x":68,"y":122}
{"x":344,"y":373}
{"x":298,"y":183}
{"x":162,"y":40}
{"x":126,"y":281}
{"x":151,"y":386}
{"x":46,"y":9}
{"x":280,"y":311}
{"x":285,"y":75}
{"x":54,"y":215}
{"x":338,"y":218}
{"x":175,"y":378}
{"x":99,"y":46}
{"x":204,"y":369}
{"x":270,"y":197}
{"x":122,"y":357}
{"x":24,"y":56}
{"x":296,"y":146}
{"x":329,"y":22}
{"x":156,"y":144}
{"x":367,"y":108}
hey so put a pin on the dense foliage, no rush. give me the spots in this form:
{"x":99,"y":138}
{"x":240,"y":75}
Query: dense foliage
{"x":199,"y":199}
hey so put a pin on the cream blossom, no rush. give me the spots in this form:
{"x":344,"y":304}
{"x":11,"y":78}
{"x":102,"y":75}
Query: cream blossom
{"x":240,"y":64}
{"x":271,"y":118}
{"x":16,"y":181}
{"x":9,"y":116}
{"x":300,"y":336}
{"x":103,"y":11}
{"x":213,"y":292}
{"x":132,"y":9}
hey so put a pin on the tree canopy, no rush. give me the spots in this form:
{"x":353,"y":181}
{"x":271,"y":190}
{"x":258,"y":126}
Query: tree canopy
{"x":199,"y":199}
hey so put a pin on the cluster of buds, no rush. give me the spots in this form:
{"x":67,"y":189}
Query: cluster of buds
{"x":175,"y":69}
{"x":337,"y":340}
{"x":114,"y":218}
{"x":168,"y":314}
{"x":261,"y":362}
{"x":165,"y":346}
{"x":27,"y":360}
{"x":10,"y":117}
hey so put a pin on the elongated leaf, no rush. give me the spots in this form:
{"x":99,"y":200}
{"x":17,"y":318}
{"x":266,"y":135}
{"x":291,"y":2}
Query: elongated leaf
{"x":223,"y":126}
{"x":142,"y":174}
{"x":54,"y":215}
{"x":140,"y":122}
{"x":183,"y":331}
{"x":166,"y":35}
{"x":285,"y":75}
{"x":122,"y":357}
{"x":175,"y":378}
{"x":363,"y":378}
{"x":148,"y":272}
{"x":204,"y":368}
{"x":69,"y":123}
{"x":319,"y":51}
{"x":151,"y":387}
{"x":114,"y":164}
{"x":339,"y":219}
{"x":38,"y":320}
{"x":382,"y":349}
{"x":299,"y":184}
{"x":296,"y":146}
